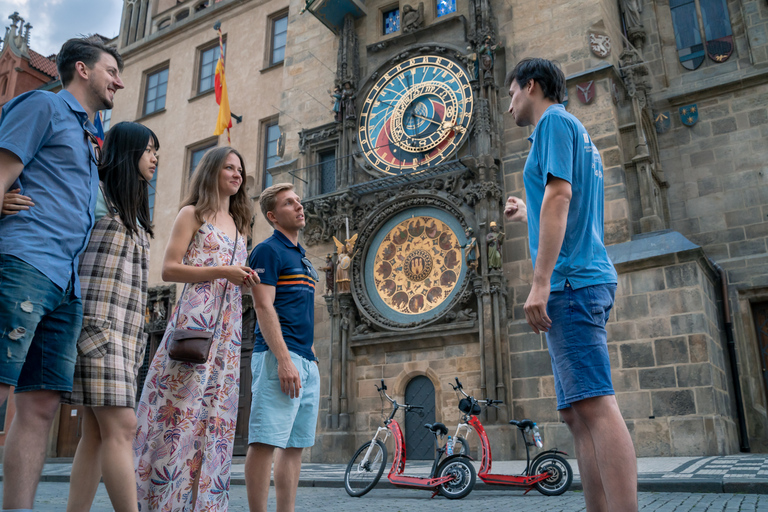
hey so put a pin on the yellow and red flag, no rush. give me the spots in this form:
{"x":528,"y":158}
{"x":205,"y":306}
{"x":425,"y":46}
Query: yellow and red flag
{"x":224,"y":121}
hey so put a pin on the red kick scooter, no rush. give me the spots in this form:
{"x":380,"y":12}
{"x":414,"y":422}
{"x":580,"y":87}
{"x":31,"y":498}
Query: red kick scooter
{"x":549,"y":473}
{"x":453,"y":478}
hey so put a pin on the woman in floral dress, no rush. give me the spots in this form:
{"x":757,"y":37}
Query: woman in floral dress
{"x":188,"y":412}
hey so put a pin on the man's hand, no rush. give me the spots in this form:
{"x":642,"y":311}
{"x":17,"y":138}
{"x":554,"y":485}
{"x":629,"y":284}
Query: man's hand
{"x":290,"y":380}
{"x":13,"y":202}
{"x":515,"y":210}
{"x":536,"y":308}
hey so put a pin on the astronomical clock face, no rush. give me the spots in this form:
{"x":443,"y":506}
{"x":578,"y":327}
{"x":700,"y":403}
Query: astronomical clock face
{"x":415,"y":265}
{"x":416,"y":115}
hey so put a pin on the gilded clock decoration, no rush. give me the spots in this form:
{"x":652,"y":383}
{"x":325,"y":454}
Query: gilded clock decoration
{"x":417,"y":265}
{"x":416,"y":115}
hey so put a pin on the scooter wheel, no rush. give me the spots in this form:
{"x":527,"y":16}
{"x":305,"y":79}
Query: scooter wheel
{"x":560,"y":474}
{"x":464,"y":476}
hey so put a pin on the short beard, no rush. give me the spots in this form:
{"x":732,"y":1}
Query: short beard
{"x":104,"y":103}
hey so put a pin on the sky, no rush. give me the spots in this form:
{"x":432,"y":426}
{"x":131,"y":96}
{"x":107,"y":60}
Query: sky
{"x":55,"y":21}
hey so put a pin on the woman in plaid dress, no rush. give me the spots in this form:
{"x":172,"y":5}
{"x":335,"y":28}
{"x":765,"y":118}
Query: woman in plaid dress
{"x":113,"y":273}
{"x":188,"y":412}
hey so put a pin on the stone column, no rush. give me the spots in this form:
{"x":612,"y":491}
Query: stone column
{"x":332,"y":418}
{"x":346,"y":320}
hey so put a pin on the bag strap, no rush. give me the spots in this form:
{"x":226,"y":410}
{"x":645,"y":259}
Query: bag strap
{"x":223,"y":295}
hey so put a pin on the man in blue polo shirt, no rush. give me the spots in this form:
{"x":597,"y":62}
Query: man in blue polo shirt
{"x":46,"y":152}
{"x":574,"y":281}
{"x":286,"y":381}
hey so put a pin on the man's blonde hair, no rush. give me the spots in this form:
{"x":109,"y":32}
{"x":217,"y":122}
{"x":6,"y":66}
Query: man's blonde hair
{"x":268,"y":198}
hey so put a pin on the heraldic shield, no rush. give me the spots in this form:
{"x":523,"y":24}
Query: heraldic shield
{"x":689,"y":114}
{"x":662,"y":121}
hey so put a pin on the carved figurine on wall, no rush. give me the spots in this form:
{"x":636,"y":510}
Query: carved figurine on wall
{"x":348,"y":99}
{"x":329,"y":271}
{"x":486,"y":54}
{"x":413,"y":19}
{"x":344,"y":263}
{"x":470,"y":249}
{"x":336,"y":95}
{"x":494,"y":240}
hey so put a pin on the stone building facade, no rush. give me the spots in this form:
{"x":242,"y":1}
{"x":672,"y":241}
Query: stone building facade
{"x":686,"y":197}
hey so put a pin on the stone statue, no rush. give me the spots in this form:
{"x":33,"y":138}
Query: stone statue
{"x":494,"y":240}
{"x":348,"y":99}
{"x":487,"y":57}
{"x":470,"y":249}
{"x":344,"y":263}
{"x":632,"y":10}
{"x":336,"y":95}
{"x":413,"y":19}
{"x":329,"y":271}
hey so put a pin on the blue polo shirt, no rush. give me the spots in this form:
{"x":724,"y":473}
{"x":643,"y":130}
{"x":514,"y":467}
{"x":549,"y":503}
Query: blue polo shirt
{"x":561,"y":147}
{"x":47,"y":132}
{"x":279,"y":263}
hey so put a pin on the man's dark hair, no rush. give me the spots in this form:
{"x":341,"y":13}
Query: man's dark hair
{"x":87,"y":50}
{"x":548,"y":75}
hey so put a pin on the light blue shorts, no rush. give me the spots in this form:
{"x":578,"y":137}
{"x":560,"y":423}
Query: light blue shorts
{"x":276,"y":419}
{"x":577,"y":342}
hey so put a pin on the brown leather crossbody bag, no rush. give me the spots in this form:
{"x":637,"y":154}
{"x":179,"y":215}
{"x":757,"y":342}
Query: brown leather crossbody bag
{"x":194,"y":345}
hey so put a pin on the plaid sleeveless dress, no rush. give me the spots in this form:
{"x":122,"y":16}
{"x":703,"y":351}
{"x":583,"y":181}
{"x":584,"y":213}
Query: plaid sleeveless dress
{"x":114,"y":270}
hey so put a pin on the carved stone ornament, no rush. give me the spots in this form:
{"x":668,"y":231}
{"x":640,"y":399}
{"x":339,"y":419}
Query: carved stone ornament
{"x":585,"y":91}
{"x":319,"y":134}
{"x":413,"y":18}
{"x":600,"y":44}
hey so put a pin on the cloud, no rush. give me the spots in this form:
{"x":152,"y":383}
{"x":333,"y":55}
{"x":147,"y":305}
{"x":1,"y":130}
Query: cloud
{"x":55,"y":21}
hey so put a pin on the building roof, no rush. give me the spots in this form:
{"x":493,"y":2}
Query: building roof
{"x":45,"y":64}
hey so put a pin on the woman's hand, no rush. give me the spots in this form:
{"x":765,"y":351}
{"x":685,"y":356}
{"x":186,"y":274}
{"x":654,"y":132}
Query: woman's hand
{"x":13,"y":202}
{"x":239,"y":275}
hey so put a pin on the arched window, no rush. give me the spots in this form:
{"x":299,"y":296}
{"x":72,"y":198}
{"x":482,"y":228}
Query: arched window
{"x":689,"y":17}
{"x":3,"y":88}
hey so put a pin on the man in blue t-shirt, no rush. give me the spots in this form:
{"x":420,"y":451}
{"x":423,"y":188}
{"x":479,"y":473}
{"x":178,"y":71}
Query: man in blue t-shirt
{"x":574,"y":281}
{"x":286,"y":381}
{"x":46,"y":154}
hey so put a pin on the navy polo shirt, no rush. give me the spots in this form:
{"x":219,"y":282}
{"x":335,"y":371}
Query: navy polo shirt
{"x":279,"y":263}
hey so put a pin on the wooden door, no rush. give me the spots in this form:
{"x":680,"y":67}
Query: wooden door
{"x":70,"y":430}
{"x":420,"y":442}
{"x":760,"y":313}
{"x":244,"y":404}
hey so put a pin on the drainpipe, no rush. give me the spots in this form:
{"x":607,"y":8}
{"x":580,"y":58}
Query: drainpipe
{"x":731,"y":344}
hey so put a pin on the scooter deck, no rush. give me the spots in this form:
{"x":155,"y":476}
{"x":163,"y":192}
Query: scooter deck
{"x":419,"y":482}
{"x":521,"y":481}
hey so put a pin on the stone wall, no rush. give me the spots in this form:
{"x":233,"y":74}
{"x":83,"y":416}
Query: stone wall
{"x":667,"y":353}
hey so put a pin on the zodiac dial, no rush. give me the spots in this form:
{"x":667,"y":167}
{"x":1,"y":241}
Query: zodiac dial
{"x":416,"y":115}
{"x":416,"y":265}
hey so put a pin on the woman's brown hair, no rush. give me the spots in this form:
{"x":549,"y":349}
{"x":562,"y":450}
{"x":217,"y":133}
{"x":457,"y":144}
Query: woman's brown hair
{"x":204,"y":190}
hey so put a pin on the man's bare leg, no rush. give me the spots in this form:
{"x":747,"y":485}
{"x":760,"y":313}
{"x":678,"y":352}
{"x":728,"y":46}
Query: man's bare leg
{"x":614,"y":451}
{"x":25,"y":446}
{"x":287,"y":471}
{"x":258,"y":473}
{"x":86,"y":467}
{"x":594,"y":495}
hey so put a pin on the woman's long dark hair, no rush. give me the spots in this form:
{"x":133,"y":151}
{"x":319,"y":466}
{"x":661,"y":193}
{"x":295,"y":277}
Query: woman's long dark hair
{"x":124,"y":187}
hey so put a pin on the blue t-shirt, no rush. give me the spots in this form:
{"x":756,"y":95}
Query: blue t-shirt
{"x":562,"y":148}
{"x":279,"y":263}
{"x":47,"y":132}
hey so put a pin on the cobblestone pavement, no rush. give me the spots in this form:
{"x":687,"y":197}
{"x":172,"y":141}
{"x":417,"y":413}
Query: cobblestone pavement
{"x":52,"y":496}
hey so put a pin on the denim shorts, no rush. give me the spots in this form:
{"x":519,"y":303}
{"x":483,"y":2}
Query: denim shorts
{"x":39,"y":327}
{"x":577,"y":342}
{"x":276,"y":419}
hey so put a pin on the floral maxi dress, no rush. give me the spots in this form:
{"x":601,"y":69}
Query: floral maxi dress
{"x":188,"y":412}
